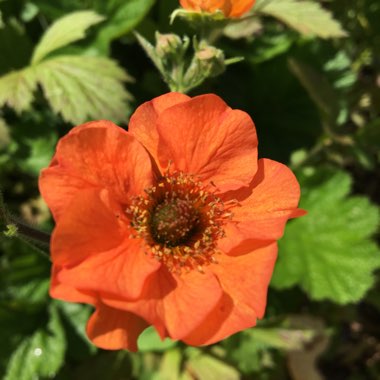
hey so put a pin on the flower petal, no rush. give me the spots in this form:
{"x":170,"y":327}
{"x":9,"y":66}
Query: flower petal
{"x":239,"y":7}
{"x":87,"y":227}
{"x":97,"y":154}
{"x":271,"y":199}
{"x":143,"y":123}
{"x":113,"y":329}
{"x":66,"y":292}
{"x":245,"y":281}
{"x":122,"y":271}
{"x":174,"y":304}
{"x":204,"y":137}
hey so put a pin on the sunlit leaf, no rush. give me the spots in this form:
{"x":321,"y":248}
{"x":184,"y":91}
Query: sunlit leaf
{"x":16,"y":89}
{"x":328,"y":252}
{"x":83,"y":88}
{"x":64,"y":31}
{"x":307,"y":17}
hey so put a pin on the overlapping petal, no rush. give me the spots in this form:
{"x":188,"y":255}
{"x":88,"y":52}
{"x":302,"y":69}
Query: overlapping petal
{"x":175,"y":305}
{"x":264,"y":207}
{"x":113,"y":329}
{"x":143,"y":123}
{"x":245,"y":281}
{"x":121,"y":271}
{"x":221,"y":143}
{"x":97,"y":154}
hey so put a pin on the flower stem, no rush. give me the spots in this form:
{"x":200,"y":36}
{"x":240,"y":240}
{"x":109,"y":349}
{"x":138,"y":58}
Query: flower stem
{"x":19,"y":229}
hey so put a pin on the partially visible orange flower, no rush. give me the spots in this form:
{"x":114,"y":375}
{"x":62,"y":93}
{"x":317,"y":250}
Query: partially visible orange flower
{"x":230,"y":8}
{"x":172,"y":224}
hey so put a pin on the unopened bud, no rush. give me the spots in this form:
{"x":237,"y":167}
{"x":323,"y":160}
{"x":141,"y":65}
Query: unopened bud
{"x":168,"y":44}
{"x":211,"y":60}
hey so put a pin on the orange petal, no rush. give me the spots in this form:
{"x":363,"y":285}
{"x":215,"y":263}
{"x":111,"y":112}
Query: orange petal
{"x":143,"y":123}
{"x":265,"y":207}
{"x":113,"y":329}
{"x":121,"y":272}
{"x":239,"y":7}
{"x":66,"y":292}
{"x":204,"y":137}
{"x":230,"y":8}
{"x":175,"y":305}
{"x":88,"y":226}
{"x":97,"y":154}
{"x":245,"y":280}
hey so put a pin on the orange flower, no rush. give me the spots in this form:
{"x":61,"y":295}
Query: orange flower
{"x":172,"y":224}
{"x":230,"y":8}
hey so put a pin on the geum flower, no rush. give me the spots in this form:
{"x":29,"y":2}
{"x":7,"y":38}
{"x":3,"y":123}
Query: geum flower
{"x":172,"y":224}
{"x":230,"y":8}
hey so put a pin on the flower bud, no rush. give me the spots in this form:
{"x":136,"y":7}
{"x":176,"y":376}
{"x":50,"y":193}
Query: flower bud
{"x":211,"y":60}
{"x":168,"y":44}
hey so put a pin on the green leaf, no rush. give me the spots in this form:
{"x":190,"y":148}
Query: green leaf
{"x":328,"y":252}
{"x":123,"y":17}
{"x":83,"y":88}
{"x":16,"y":89}
{"x":202,"y":366}
{"x":149,"y":340}
{"x":64,"y":31}
{"x":307,"y":17}
{"x":40,"y":355}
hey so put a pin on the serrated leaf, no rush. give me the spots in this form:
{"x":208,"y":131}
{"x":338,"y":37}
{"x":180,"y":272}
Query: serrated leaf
{"x":83,"y":88}
{"x":41,"y":355}
{"x":64,"y":31}
{"x":307,"y":17}
{"x":328,"y":252}
{"x":16,"y":89}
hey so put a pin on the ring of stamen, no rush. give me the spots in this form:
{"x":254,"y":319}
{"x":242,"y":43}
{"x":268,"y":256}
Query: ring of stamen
{"x":180,"y":222}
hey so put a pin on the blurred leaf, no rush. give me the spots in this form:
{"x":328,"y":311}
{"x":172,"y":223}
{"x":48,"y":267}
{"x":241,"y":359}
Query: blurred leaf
{"x":41,"y":355}
{"x":64,"y":31}
{"x":328,"y":252}
{"x":41,"y":152}
{"x":206,"y":367}
{"x":123,"y":17}
{"x":307,"y":17}
{"x":281,"y":338}
{"x":4,"y":134}
{"x":149,"y":340}
{"x":170,"y":365}
{"x":16,"y":89}
{"x":242,"y":28}
{"x":318,"y":87}
{"x":269,"y":46}
{"x":82,"y":88}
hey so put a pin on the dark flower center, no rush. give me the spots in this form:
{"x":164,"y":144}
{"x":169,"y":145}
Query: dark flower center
{"x":180,"y":221}
{"x":174,"y":221}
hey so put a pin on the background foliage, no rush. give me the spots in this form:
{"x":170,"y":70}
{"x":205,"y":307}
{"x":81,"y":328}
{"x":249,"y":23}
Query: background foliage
{"x":311,"y":81}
